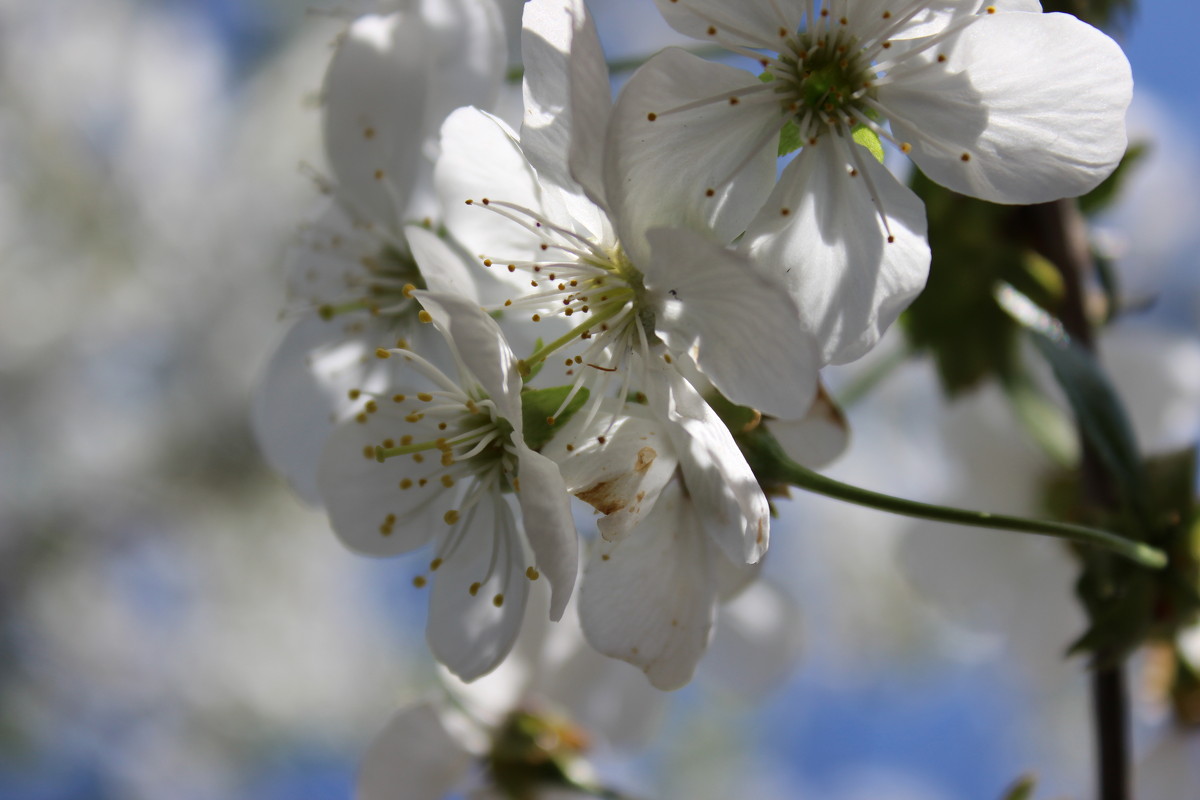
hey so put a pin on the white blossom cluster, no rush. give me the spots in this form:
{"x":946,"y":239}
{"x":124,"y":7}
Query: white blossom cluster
{"x":491,"y":321}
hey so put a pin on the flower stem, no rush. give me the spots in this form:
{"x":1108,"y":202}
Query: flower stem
{"x":773,"y":466}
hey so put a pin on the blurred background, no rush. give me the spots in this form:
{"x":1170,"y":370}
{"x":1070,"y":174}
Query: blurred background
{"x":175,"y":624}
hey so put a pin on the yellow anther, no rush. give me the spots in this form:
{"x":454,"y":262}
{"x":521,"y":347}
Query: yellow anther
{"x":905,"y":147}
{"x":398,"y":398}
{"x":474,"y":588}
{"x":447,"y":481}
{"x":354,"y":394}
{"x":433,"y":565}
{"x":408,"y":290}
{"x":447,"y":459}
{"x":498,"y":600}
{"x":419,"y":459}
{"x":361,"y":418}
{"x":415,"y":416}
{"x":371,"y":407}
{"x":424,"y":397}
{"x":450,"y":516}
{"x":419,"y":581}
{"x":381,"y":353}
{"x":531,"y":573}
{"x":406,"y":483}
{"x":424,"y":316}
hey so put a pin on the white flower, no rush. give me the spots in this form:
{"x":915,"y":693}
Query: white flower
{"x":992,"y":100}
{"x":1011,"y":106}
{"x":560,"y":225}
{"x":553,"y":699}
{"x":431,"y":459}
{"x":681,"y":510}
{"x":391,"y":82}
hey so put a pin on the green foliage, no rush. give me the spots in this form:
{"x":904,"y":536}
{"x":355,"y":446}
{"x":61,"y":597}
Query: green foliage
{"x":1109,"y":189}
{"x":789,"y":139}
{"x":956,"y":319}
{"x":537,"y":366}
{"x":1100,"y":416}
{"x":1102,"y":13}
{"x":1022,"y":789}
{"x":537,"y":412}
{"x":1128,"y":606}
{"x":870,"y":140}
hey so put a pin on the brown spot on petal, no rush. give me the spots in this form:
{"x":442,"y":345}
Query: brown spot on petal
{"x":645,"y":457}
{"x":602,"y":498}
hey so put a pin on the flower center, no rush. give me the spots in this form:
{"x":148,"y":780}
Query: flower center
{"x":825,"y":75}
{"x":380,"y":284}
{"x":577,"y":276}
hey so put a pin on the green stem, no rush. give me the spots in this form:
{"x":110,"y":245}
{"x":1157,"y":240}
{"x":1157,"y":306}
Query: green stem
{"x":764,"y":452}
{"x":616,"y":306}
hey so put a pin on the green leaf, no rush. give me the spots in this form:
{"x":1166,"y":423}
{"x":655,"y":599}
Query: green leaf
{"x":1099,"y":414}
{"x":1022,"y":789}
{"x":774,"y":469}
{"x":538,"y":407}
{"x":789,"y":139}
{"x":1106,"y":193}
{"x":736,"y":418}
{"x":870,"y":140}
{"x":1049,"y":426}
{"x":956,"y":319}
{"x":537,"y":367}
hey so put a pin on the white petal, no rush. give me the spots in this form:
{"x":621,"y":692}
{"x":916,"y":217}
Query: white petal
{"x":747,"y":23}
{"x":416,"y":752}
{"x":482,"y":348}
{"x":492,"y":698}
{"x":867,"y":17}
{"x":302,"y":392}
{"x":481,"y":158}
{"x":757,"y":642}
{"x":327,"y":256}
{"x":549,"y":526}
{"x":650,"y":598}
{"x":741,"y":326}
{"x":731,"y":506}
{"x":374,"y":120}
{"x":607,"y":698}
{"x":620,"y":478}
{"x":817,"y":439}
{"x":567,"y":94}
{"x":469,"y":633}
{"x":368,"y":510}
{"x":1036,"y":102}
{"x":821,"y":234}
{"x":659,"y":173}
{"x":441,"y":267}
{"x":467,"y":56}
